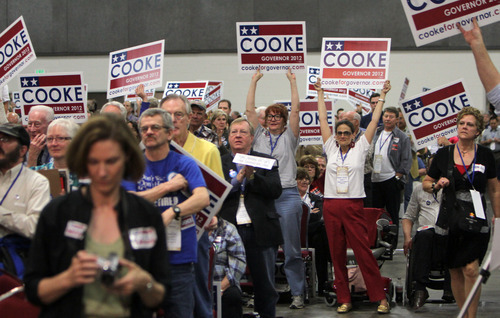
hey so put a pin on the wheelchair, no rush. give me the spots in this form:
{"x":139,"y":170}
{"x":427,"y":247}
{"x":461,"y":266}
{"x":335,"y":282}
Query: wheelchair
{"x":437,"y":272}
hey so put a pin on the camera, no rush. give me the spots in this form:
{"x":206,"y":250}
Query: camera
{"x":108,"y":268}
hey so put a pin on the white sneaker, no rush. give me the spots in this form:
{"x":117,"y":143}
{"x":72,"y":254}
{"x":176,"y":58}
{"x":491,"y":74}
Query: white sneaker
{"x":297,"y":302}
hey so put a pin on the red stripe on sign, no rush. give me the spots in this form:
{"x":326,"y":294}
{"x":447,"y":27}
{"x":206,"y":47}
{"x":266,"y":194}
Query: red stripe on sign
{"x":281,"y":29}
{"x":134,"y":79}
{"x":450,"y":11}
{"x":365,"y":45}
{"x":310,"y":131}
{"x":443,"y":93}
{"x":275,"y":58}
{"x":375,"y":73}
{"x":13,"y":61}
{"x":143,"y":51}
{"x":213,"y":184}
{"x":15,"y":29}
{"x":66,"y":108}
{"x":191,"y":85}
{"x":308,"y":106}
{"x":429,"y":129}
{"x":359,"y":96}
{"x":213,"y":91}
{"x":59,"y":80}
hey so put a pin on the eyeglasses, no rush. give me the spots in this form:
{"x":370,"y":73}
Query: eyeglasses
{"x":344,"y":133}
{"x":58,"y":139}
{"x":36,"y":124}
{"x":303,"y":181}
{"x":154,"y":128}
{"x":275,"y":117}
{"x":178,"y":115}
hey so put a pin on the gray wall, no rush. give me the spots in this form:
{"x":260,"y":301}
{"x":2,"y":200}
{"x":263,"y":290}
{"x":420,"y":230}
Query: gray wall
{"x":86,"y":27}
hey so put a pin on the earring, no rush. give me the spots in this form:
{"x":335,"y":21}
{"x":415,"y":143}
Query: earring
{"x":336,"y":143}
{"x":352,"y":144}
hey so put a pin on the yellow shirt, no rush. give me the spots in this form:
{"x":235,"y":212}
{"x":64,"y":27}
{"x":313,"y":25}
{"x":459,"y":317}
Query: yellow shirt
{"x":204,"y":151}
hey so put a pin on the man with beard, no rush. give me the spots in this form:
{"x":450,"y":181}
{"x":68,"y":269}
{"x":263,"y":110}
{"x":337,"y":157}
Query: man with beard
{"x":23,"y":192}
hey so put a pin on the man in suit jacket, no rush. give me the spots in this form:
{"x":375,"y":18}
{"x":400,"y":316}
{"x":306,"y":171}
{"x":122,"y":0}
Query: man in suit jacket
{"x":250,"y":207}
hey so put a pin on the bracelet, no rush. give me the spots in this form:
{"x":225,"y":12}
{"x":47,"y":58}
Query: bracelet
{"x":381,"y":100}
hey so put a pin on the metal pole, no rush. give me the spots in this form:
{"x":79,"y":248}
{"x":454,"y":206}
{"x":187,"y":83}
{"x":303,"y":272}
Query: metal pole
{"x":483,"y":276}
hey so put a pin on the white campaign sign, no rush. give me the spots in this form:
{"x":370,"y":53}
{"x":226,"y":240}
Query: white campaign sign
{"x":254,"y":161}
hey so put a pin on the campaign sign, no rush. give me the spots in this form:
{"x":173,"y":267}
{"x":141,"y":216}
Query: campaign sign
{"x":218,"y":189}
{"x":191,"y":90}
{"x":433,"y":20}
{"x":16,"y":50}
{"x":354,"y":62}
{"x":330,"y":93}
{"x":64,"y":92}
{"x":215,"y":90}
{"x":271,"y":46}
{"x":130,"y":67}
{"x":133,"y":97}
{"x":433,"y":114}
{"x":360,"y":96}
{"x":404,"y":89}
{"x":310,"y":132}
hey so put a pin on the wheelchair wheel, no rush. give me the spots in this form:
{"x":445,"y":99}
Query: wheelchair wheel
{"x":410,"y":283}
{"x":330,"y":299}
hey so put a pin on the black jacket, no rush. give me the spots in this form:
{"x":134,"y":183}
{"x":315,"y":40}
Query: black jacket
{"x":51,"y":250}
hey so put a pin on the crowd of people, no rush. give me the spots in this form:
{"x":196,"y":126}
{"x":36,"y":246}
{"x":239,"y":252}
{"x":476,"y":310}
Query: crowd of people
{"x":119,"y":237}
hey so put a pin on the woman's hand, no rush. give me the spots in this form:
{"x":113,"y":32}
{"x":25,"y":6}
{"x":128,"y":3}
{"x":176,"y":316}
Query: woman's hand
{"x":83,"y":269}
{"x":442,"y":183}
{"x":387,"y":87}
{"x":290,"y":75}
{"x":136,"y":279}
{"x":317,"y":85}
{"x":315,"y":210}
{"x":257,"y":76}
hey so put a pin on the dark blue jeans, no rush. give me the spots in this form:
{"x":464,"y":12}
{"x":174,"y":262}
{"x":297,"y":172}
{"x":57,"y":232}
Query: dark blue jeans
{"x":180,"y":300}
{"x":261,"y":262}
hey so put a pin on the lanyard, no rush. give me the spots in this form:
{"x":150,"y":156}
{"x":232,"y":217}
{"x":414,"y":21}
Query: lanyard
{"x":382,"y":144}
{"x":271,"y":141}
{"x":357,"y":136}
{"x":343,"y":158}
{"x":11,"y":185}
{"x":465,"y":168}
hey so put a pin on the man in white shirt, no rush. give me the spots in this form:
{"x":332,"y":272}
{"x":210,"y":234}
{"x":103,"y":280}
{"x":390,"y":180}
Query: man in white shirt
{"x":23,"y":192}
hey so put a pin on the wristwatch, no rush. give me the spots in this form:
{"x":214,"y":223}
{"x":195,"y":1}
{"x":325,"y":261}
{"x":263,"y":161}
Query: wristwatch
{"x":177,"y":211}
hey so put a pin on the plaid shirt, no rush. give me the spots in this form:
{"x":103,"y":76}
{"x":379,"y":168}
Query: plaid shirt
{"x":229,"y":256}
{"x":208,"y":134}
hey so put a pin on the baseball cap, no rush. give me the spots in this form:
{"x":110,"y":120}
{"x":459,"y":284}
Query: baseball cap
{"x":200,"y":104}
{"x":17,"y":131}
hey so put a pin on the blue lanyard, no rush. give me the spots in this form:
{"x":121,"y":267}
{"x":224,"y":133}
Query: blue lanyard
{"x":271,"y":141}
{"x":465,"y":168}
{"x":382,"y":144}
{"x":357,"y":136}
{"x":11,"y":185}
{"x":343,"y":158}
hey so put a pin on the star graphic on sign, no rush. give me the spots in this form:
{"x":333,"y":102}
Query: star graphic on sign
{"x":316,"y":71}
{"x":123,"y":56}
{"x":176,"y":85}
{"x":169,"y":85}
{"x":338,"y":46}
{"x":408,"y":107}
{"x":329,"y":46}
{"x":25,"y":82}
{"x":254,"y":30}
{"x":34,"y":82}
{"x":416,"y":104}
{"x":115,"y":59}
{"x":244,"y":30}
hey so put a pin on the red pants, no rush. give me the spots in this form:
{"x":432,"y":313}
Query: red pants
{"x":344,"y":221}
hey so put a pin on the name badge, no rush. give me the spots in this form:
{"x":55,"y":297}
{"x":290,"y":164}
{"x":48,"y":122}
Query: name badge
{"x":342,"y":180}
{"x":377,"y":163}
{"x":75,"y":229}
{"x":478,"y":204}
{"x":174,"y":239}
{"x":142,"y":238}
{"x":479,"y":168}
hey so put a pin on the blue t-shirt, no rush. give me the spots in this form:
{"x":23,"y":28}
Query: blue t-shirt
{"x":161,"y":171}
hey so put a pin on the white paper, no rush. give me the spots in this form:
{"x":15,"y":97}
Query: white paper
{"x":254,"y":161}
{"x":478,"y":204}
{"x":173,"y":232}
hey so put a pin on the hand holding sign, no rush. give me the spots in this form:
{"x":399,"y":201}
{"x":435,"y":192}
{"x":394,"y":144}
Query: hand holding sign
{"x":290,"y":75}
{"x":317,"y":85}
{"x":257,"y":76}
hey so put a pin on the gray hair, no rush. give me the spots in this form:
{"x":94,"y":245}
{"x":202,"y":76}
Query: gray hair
{"x":48,"y":111}
{"x":260,"y":109}
{"x":165,"y":116}
{"x":67,"y":124}
{"x":120,"y":106}
{"x":187,"y":104}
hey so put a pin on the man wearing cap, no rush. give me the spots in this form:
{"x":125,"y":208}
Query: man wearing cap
{"x":23,"y":192}
{"x":198,"y":115}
